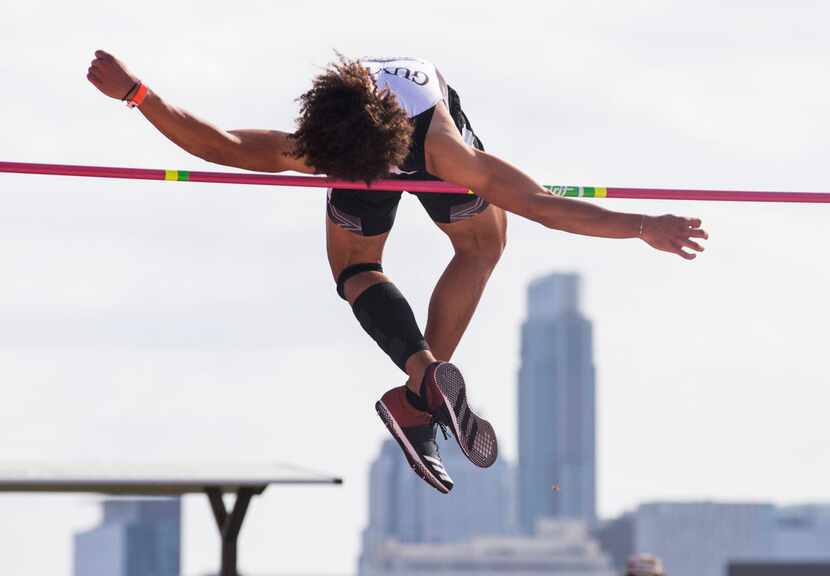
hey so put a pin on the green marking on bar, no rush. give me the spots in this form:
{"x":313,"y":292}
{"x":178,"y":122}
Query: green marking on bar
{"x":183,"y":176}
{"x":569,"y":191}
{"x":576,"y":191}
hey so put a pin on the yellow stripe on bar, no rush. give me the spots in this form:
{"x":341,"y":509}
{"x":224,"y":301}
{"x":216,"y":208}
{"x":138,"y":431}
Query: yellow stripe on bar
{"x":600,"y":193}
{"x":171,"y":174}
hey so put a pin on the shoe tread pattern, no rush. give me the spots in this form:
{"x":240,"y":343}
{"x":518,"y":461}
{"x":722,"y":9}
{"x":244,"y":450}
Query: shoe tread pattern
{"x":475,"y":435}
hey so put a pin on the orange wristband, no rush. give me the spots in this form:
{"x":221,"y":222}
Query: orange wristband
{"x":138,"y":97}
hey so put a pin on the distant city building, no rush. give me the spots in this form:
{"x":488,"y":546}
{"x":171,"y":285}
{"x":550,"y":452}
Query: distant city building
{"x":706,"y":538}
{"x":617,"y":538}
{"x":777,"y":569}
{"x":134,"y":538}
{"x":692,"y":539}
{"x":561,"y":547}
{"x":402,"y":507}
{"x":557,"y":406}
{"x":802,"y":533}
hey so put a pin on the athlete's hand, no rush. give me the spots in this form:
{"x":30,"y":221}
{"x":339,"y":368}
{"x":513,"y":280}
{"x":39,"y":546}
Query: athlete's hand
{"x":674,"y":234}
{"x":110,"y":75}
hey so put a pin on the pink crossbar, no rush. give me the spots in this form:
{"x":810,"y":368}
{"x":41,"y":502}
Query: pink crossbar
{"x":252,"y":178}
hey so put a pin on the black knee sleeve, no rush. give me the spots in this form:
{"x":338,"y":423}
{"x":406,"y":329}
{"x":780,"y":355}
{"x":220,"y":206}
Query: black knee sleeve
{"x":385,"y":314}
{"x":354,"y":270}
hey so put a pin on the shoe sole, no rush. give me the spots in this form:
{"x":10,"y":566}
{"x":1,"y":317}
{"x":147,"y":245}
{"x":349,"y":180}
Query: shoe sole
{"x":474,"y":434}
{"x":409,"y":451}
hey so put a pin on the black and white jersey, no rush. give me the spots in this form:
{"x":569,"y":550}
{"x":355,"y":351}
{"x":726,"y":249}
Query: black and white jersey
{"x":414,"y":81}
{"x":419,"y":87}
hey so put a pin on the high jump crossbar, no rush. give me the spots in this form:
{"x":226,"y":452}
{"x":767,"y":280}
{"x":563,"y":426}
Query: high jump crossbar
{"x":438,"y":186}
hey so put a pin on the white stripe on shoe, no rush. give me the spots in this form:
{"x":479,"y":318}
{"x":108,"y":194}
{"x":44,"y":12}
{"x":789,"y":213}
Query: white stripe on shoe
{"x":438,"y":468}
{"x":410,"y":453}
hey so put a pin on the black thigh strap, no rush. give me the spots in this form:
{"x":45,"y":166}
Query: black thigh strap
{"x":354,"y":270}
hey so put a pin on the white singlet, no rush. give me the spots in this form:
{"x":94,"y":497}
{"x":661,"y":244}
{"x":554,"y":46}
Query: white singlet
{"x":416,"y":82}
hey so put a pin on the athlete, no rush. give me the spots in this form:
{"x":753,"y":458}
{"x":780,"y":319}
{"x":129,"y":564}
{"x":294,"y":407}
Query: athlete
{"x":371,"y":119}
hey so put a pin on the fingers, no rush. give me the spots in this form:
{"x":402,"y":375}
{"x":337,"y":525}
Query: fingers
{"x":93,"y":75}
{"x":692,"y":244}
{"x":676,"y":235}
{"x":685,"y":241}
{"x":691,"y":229}
{"x":102,"y":58}
{"x":688,"y":228}
{"x":694,"y":230}
{"x":678,"y":249}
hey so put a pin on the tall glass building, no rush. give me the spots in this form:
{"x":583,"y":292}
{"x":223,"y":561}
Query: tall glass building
{"x":557,"y":406}
{"x":134,"y":538}
{"x":403,"y":508}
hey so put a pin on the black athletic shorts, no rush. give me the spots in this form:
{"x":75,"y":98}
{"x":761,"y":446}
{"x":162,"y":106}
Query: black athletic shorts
{"x":370,"y":213}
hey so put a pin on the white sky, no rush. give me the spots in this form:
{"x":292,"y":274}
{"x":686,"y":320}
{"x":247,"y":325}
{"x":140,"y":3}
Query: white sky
{"x":158,"y":321}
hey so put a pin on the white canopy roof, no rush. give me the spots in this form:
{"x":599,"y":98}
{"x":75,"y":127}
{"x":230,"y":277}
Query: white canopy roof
{"x":149,"y":478}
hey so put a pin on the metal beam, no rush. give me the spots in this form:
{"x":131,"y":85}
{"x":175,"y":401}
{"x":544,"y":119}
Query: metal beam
{"x":230,"y":523}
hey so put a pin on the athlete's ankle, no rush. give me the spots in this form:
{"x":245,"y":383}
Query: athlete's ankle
{"x":416,"y":366}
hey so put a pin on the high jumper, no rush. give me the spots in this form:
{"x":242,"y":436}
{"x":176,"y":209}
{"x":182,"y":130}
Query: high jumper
{"x":381,"y":118}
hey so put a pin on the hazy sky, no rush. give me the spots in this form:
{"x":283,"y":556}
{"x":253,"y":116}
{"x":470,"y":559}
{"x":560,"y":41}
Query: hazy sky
{"x":158,"y":321}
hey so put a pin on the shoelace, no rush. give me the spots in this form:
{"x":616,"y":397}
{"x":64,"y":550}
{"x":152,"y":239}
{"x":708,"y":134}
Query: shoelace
{"x":442,"y":426}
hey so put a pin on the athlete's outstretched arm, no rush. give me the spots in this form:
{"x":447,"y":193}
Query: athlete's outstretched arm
{"x":502,"y":184}
{"x":262,"y":150}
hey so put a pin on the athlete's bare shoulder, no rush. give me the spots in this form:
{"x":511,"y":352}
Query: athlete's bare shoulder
{"x":448,"y":156}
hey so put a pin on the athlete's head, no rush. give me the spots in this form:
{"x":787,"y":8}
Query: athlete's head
{"x":347,"y":128}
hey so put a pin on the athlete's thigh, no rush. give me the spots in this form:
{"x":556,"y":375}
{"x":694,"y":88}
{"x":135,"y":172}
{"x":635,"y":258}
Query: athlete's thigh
{"x":346,"y":248}
{"x":484,"y":233}
{"x":357,"y":225}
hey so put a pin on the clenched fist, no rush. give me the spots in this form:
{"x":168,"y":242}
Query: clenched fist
{"x":673,"y":234}
{"x":110,"y":75}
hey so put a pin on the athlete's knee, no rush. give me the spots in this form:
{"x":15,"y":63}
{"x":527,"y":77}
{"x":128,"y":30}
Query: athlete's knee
{"x":354,"y":260}
{"x":354,"y":279}
{"x":497,"y":243}
{"x":484,"y":246}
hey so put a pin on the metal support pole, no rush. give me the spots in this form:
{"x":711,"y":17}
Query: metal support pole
{"x":230,"y":524}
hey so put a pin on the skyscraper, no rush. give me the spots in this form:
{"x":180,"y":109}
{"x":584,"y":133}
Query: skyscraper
{"x":557,"y":406}
{"x":402,"y":507}
{"x":134,"y":538}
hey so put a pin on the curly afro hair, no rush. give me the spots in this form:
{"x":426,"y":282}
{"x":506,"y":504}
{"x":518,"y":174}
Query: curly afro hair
{"x":347,"y":128}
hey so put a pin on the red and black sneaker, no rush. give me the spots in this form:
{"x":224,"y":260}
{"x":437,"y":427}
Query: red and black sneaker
{"x":415,"y":432}
{"x":446,"y":396}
